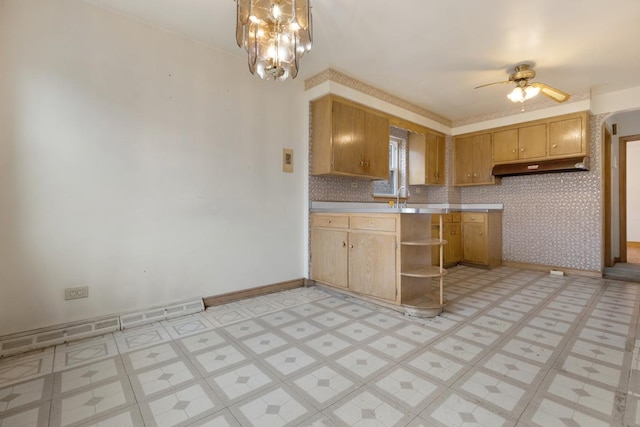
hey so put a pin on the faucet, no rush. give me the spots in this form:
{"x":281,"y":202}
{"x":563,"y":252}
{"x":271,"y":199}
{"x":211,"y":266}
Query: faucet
{"x":406,"y":194}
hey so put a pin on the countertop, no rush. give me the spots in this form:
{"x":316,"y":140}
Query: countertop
{"x":427,"y":208}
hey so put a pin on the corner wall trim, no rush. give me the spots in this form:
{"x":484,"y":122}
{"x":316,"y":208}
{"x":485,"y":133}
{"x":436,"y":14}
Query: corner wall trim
{"x":253,"y":292}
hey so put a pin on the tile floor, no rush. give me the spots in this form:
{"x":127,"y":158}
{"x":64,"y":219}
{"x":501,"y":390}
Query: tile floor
{"x":514,"y":348}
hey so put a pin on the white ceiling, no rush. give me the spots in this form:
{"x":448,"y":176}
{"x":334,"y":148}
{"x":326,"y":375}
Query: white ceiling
{"x":434,"y":52}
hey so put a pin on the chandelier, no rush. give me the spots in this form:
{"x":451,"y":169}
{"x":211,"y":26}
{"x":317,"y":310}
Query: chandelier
{"x":276,"y":34}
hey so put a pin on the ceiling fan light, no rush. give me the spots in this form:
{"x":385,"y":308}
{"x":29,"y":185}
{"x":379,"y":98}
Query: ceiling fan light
{"x":521,"y":94}
{"x":517,"y":95}
{"x":530,"y":92}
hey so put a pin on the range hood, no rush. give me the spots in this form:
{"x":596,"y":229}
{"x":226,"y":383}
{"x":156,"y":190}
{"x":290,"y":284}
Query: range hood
{"x":573,"y":164}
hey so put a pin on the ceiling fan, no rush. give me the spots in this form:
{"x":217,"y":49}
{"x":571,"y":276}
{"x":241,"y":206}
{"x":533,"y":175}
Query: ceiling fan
{"x":525,"y":89}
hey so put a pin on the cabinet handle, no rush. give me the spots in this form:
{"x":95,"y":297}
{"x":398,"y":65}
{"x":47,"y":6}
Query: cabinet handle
{"x":513,"y":151}
{"x":366,"y":164}
{"x":468,"y":174}
{"x":475,"y":174}
{"x":329,"y":221}
{"x":344,"y":244}
{"x":480,"y":233}
{"x":522,"y":150}
{"x":362,"y":163}
{"x":554,"y":145}
{"x":351,"y":246}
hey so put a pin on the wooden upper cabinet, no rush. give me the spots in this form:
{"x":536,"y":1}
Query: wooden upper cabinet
{"x":473,"y":160}
{"x":348,"y":139}
{"x":528,"y":142}
{"x":426,"y":158}
{"x":556,"y":137}
{"x":568,"y":137}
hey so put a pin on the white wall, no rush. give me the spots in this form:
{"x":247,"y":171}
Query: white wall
{"x":633,"y":191}
{"x":141,"y":164}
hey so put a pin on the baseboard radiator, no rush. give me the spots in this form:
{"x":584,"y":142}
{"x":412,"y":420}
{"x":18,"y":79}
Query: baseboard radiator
{"x":39,"y":338}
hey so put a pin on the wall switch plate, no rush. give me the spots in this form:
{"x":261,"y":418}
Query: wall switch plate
{"x":75,"y":293}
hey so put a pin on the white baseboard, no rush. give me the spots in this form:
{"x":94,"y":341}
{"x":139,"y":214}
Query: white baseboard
{"x":59,"y":334}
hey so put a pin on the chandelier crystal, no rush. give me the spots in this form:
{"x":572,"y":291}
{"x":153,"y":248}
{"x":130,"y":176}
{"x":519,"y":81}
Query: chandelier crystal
{"x":275,"y":34}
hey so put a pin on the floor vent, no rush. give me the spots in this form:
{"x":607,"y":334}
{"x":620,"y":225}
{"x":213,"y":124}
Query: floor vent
{"x":23,"y":342}
{"x":156,"y":314}
{"x":20,"y":343}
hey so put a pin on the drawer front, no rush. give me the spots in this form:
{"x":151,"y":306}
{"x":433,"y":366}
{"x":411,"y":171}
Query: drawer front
{"x":473,"y":217}
{"x":373,"y":223}
{"x":330,"y":221}
{"x":435,"y":218}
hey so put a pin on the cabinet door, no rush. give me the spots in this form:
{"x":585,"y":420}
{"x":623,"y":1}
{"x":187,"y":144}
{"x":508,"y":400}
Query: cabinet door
{"x":376,"y":146}
{"x":532,"y":142}
{"x":463,"y":153}
{"x":453,"y":252}
{"x":482,"y":159}
{"x":475,"y":243}
{"x":431,"y":171}
{"x":348,"y":138}
{"x":440,"y":163}
{"x":372,"y":264}
{"x":329,"y":256}
{"x":565,"y":137}
{"x":505,"y":146}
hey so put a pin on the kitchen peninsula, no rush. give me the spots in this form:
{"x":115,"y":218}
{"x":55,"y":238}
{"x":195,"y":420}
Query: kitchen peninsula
{"x":385,"y":254}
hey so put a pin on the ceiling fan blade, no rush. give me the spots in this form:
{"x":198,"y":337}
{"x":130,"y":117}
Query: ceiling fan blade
{"x":491,"y":84}
{"x":551,"y":92}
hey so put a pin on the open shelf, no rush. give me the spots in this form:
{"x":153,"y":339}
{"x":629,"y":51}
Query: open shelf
{"x":424,"y":242}
{"x":423,"y":271}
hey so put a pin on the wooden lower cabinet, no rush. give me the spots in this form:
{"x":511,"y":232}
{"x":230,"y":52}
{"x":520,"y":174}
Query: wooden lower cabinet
{"x":372,"y":264}
{"x":356,"y":252}
{"x":452,"y":234}
{"x":329,"y":256}
{"x":482,"y":238}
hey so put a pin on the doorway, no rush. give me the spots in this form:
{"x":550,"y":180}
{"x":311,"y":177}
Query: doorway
{"x":629,"y":206}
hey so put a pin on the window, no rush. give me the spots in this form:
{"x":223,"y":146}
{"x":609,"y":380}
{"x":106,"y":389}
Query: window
{"x":389,"y":187}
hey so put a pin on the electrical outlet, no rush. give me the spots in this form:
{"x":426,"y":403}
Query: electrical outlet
{"x":418,"y":190}
{"x":75,"y":293}
{"x":354,"y":184}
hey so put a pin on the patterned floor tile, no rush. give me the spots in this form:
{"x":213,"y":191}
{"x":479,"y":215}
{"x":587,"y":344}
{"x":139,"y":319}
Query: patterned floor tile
{"x":87,"y":404}
{"x":438,"y":367}
{"x":407,"y":389}
{"x":201,"y":341}
{"x":365,"y":408}
{"x":290,"y":361}
{"x":457,"y":411}
{"x":87,"y":375}
{"x":26,"y":366}
{"x":494,"y":391}
{"x":324,"y":386}
{"x":514,"y":347}
{"x":77,"y":353}
{"x":588,"y":396}
{"x":145,"y":336}
{"x":277,"y":408}
{"x":178,"y":407}
{"x":26,"y":393}
{"x":150,"y":356}
{"x":240,"y":382}
{"x":392,"y":347}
